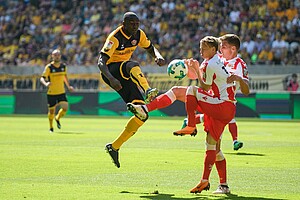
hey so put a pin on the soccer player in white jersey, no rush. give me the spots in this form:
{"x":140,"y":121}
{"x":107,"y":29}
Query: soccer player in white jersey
{"x":230,"y":44}
{"x":178,"y":92}
{"x":218,"y":109}
{"x":229,"y":47}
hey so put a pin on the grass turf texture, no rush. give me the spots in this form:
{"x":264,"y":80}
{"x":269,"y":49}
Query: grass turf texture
{"x":71,"y":163}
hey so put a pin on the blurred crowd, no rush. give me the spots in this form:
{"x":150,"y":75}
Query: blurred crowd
{"x":31,"y":29}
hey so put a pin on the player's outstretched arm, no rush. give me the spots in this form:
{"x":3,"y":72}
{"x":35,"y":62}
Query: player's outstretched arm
{"x":160,"y":61}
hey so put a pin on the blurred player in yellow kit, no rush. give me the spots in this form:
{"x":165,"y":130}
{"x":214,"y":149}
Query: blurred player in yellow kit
{"x":54,"y":77}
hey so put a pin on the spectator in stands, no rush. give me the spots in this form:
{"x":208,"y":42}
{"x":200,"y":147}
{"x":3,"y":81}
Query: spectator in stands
{"x":265,"y":56}
{"x":280,"y":49}
{"x":292,"y":84}
{"x":48,"y":22}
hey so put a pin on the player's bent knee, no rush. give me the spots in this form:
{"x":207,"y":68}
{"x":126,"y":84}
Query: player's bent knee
{"x":191,"y":90}
{"x":220,"y":156}
{"x":132,"y":64}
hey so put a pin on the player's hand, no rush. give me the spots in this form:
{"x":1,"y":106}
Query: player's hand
{"x":160,"y":61}
{"x":71,"y":89}
{"x":193,"y":70}
{"x":115,"y":84}
{"x":48,"y":84}
{"x":233,"y":78}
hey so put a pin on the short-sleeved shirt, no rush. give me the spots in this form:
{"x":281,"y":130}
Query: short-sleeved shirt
{"x":56,"y":76}
{"x":215,"y":74}
{"x":237,"y":67}
{"x":119,"y":47}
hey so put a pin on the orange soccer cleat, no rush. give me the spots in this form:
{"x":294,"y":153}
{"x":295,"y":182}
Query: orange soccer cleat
{"x":202,"y":185}
{"x":192,"y":131}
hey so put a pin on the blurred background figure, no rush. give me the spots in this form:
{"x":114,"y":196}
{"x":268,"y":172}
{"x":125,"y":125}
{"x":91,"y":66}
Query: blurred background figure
{"x":290,"y":83}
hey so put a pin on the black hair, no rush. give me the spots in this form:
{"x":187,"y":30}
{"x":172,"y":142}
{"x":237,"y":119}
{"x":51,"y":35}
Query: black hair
{"x":130,"y":15}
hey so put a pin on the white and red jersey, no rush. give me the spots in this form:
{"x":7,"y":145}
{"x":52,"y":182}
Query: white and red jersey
{"x":216,"y":74}
{"x":237,"y":67}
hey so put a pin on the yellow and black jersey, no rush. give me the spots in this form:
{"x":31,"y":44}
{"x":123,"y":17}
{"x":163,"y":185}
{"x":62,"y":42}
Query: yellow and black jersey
{"x":56,"y":75}
{"x":119,"y":47}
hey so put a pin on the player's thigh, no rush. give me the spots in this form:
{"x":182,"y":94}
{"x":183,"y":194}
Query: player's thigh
{"x":179,"y":92}
{"x":131,"y":93}
{"x":52,"y":101}
{"x":62,"y":101}
{"x":64,"y":105}
{"x":127,"y":66}
{"x":118,"y":71}
{"x":210,"y":139}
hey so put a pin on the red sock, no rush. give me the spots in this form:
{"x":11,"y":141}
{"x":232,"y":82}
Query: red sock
{"x":221,"y":168}
{"x":210,"y":158}
{"x":233,"y":130}
{"x":191,"y":106}
{"x":159,"y":102}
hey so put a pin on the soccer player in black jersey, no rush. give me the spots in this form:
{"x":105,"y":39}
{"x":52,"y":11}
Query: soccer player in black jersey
{"x":55,"y":78}
{"x":124,"y":75}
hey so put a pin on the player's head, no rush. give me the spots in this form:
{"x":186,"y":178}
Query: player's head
{"x":130,"y":23}
{"x":209,"y":46}
{"x":230,"y":45}
{"x":56,"y":55}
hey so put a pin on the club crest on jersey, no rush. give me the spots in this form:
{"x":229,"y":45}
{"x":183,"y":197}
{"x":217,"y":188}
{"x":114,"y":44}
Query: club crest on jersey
{"x":108,"y":46}
{"x":229,"y":65}
{"x":133,"y":42}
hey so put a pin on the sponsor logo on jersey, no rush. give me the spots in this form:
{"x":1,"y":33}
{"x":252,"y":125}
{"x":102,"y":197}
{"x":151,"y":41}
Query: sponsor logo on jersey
{"x":134,"y":42}
{"x":108,"y":46}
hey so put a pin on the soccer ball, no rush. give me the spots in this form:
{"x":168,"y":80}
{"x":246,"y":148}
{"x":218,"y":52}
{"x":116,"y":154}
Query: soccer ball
{"x":177,"y":69}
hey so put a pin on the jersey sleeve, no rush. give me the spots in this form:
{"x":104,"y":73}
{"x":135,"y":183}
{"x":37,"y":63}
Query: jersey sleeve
{"x":208,"y":74}
{"x":242,"y":70}
{"x":110,"y":45}
{"x":144,"y":41}
{"x":46,"y":72}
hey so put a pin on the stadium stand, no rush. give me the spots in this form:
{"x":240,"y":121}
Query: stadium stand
{"x":31,"y":29}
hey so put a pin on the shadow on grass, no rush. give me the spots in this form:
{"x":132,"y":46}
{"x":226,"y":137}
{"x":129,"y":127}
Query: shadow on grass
{"x":197,"y":196}
{"x":68,"y":132}
{"x":246,"y":154}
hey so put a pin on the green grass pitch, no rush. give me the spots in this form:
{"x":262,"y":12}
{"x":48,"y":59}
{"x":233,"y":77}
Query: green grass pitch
{"x":71,"y":163}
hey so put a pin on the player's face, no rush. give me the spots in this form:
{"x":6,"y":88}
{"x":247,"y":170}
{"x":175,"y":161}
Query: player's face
{"x":131,"y":26}
{"x":206,"y":51}
{"x":56,"y":56}
{"x":227,"y":50}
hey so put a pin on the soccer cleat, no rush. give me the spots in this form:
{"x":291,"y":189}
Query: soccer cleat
{"x":51,"y":130}
{"x":114,"y":154}
{"x":222,"y":189}
{"x":151,"y":93}
{"x":58,"y":123}
{"x":237,"y":145}
{"x":185,"y":123}
{"x":192,"y":131}
{"x":202,"y":185}
{"x":138,"y":110}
